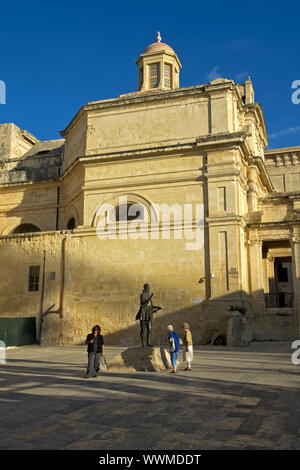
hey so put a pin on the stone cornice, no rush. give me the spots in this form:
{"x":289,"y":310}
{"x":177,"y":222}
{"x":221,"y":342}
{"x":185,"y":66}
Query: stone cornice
{"x":26,"y":183}
{"x":195,"y":178}
{"x":158,"y":53}
{"x":282,"y":150}
{"x":19,"y":236}
{"x":285,"y":224}
{"x":278,"y":196}
{"x":228,"y":137}
{"x":263,"y":173}
{"x":224,"y":220}
{"x":202,"y":143}
{"x":29,"y":137}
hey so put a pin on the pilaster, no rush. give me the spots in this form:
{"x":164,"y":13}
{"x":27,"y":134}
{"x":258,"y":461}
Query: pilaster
{"x":256,"y":287}
{"x":295,"y":244}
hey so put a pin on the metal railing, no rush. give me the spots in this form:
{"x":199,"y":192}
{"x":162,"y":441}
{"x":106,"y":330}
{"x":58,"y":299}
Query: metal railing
{"x":279,"y":300}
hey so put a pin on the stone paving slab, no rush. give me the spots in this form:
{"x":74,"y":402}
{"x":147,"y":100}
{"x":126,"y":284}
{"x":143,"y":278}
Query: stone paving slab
{"x":235,"y":398}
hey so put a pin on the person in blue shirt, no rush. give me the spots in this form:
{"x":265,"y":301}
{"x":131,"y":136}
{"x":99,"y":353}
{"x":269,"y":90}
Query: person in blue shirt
{"x":173,"y":339}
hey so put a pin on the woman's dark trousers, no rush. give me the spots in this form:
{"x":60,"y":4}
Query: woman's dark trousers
{"x":93,"y":364}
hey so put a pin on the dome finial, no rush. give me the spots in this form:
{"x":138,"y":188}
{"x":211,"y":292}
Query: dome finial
{"x":158,"y":37}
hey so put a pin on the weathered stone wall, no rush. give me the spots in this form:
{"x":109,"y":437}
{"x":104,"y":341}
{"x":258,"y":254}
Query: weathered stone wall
{"x":32,"y":204}
{"x":103,"y":280}
{"x":280,"y":324}
{"x":14,"y":142}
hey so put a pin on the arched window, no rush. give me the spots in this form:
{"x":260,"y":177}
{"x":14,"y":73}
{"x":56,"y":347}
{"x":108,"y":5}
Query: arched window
{"x":71,"y":224}
{"x":130,"y":211}
{"x":26,"y":228}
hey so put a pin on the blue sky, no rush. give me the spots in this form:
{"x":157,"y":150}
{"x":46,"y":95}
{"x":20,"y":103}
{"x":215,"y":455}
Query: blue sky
{"x":58,"y":55}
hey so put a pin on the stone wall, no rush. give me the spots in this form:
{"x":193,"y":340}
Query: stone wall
{"x":32,"y":204}
{"x":14,"y":142}
{"x":280,"y":325}
{"x":103,"y":280}
{"x":284,"y":168}
{"x":238,"y":329}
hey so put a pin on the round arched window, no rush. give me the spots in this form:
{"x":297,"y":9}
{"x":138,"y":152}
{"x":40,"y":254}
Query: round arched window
{"x":130,"y":211}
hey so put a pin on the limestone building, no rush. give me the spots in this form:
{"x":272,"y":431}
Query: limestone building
{"x":118,"y":163}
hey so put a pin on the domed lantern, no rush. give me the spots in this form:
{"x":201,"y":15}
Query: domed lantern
{"x":158,"y":67}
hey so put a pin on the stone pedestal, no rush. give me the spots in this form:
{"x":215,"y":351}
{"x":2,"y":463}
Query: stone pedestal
{"x":238,"y":329}
{"x":142,"y":359}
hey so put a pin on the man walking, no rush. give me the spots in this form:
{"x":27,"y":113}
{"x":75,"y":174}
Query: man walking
{"x":95,"y":349}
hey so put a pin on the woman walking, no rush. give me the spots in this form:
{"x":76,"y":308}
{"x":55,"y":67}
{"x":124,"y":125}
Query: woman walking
{"x":187,"y":346}
{"x":173,"y":339}
{"x":95,"y":349}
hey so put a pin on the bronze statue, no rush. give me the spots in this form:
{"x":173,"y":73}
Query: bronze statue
{"x":145,"y":314}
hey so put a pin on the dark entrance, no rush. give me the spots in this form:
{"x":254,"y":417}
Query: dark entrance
{"x":284,"y":279}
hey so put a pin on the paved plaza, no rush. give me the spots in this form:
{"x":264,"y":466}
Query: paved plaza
{"x":241,"y":398}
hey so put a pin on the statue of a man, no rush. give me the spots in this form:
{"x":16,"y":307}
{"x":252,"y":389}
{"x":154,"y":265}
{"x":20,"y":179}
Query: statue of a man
{"x":145,"y":314}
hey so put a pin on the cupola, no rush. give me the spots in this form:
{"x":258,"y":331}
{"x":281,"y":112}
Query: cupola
{"x":158,"y":67}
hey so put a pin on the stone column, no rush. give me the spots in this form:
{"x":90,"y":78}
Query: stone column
{"x":269,"y":276}
{"x":256,"y":279}
{"x":145,"y":76}
{"x":271,"y":273}
{"x":295,"y":242}
{"x":161,"y":74}
{"x":252,"y":189}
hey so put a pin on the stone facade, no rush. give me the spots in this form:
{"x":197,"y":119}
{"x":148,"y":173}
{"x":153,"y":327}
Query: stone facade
{"x":165,"y":145}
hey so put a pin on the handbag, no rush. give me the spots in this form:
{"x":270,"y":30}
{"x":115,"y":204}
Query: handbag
{"x":172,"y":345}
{"x":103,"y":364}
